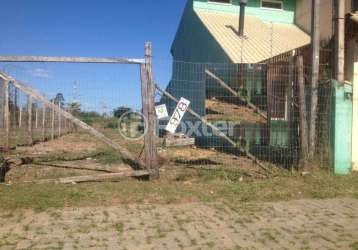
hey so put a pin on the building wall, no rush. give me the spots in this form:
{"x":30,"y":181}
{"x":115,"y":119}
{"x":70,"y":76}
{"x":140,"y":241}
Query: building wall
{"x":193,"y":46}
{"x":287,"y":15}
{"x":355,"y":111}
{"x":352,"y":76}
{"x":342,"y":121}
{"x":303,"y":16}
{"x":193,"y":41}
{"x":194,"y":49}
{"x":2,"y":104}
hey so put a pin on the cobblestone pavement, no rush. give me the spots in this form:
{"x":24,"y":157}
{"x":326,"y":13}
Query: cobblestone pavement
{"x":305,"y":224}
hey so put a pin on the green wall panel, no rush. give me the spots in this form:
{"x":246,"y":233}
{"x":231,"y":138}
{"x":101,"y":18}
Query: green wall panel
{"x":342,"y":110}
{"x":279,"y":134}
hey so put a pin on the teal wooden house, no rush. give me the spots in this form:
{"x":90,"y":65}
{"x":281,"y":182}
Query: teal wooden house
{"x":208,"y":38}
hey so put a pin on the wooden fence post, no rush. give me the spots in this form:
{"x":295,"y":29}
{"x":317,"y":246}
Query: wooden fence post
{"x":16,"y":105}
{"x":59,"y":120}
{"x":315,"y":59}
{"x":20,"y":116}
{"x":144,"y":80}
{"x":148,"y":99}
{"x":53,"y":121}
{"x":289,"y":106}
{"x":36,"y":117}
{"x":6,"y":113}
{"x":66,"y":128}
{"x":43,"y":122}
{"x":303,"y":112}
{"x":79,"y":124}
{"x":29,"y":120}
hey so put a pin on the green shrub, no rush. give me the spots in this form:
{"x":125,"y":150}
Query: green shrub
{"x":111,"y":124}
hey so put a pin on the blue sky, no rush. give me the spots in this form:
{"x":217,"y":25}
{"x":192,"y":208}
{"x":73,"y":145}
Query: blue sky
{"x":107,"y":28}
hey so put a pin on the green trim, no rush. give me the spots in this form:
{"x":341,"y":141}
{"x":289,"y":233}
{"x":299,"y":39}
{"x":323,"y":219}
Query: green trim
{"x":287,"y":15}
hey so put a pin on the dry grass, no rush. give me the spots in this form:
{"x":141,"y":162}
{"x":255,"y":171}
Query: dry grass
{"x":71,"y":143}
{"x":179,"y":186}
{"x":227,"y":181}
{"x":223,"y":111}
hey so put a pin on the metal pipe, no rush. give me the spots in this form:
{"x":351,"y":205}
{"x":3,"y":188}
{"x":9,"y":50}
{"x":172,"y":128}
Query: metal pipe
{"x":242,"y":17}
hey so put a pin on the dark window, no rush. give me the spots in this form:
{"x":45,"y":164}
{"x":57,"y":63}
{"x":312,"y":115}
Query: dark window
{"x":354,"y":5}
{"x":220,"y":1}
{"x":272,"y":4}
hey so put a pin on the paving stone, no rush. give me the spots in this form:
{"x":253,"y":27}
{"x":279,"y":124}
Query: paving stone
{"x":304,"y":224}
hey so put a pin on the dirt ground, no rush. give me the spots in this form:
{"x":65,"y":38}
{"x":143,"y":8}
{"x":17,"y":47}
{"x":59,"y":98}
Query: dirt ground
{"x":223,"y":111}
{"x":304,"y":224}
{"x":68,"y":143}
{"x":82,"y":144}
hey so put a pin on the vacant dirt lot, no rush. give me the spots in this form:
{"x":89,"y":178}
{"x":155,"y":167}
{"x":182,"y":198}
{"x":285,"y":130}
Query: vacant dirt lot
{"x":304,"y":224}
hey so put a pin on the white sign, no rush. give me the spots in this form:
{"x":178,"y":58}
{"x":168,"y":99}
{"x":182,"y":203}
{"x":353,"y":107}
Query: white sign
{"x":161,"y":111}
{"x":178,"y":115}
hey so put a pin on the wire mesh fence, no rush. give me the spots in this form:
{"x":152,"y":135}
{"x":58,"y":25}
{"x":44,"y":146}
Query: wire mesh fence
{"x":2,"y":114}
{"x":240,"y":116}
{"x":128,"y":130}
{"x":95,"y":94}
{"x":91,"y":102}
{"x":27,"y":120}
{"x":252,"y":110}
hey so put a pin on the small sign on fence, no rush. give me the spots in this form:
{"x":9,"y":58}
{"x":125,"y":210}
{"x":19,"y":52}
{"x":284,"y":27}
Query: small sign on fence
{"x":161,"y":111}
{"x":178,"y":115}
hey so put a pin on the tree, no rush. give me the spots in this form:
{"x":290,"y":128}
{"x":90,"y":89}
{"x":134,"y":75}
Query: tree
{"x":59,"y":100}
{"x":75,"y":108}
{"x":118,"y":112}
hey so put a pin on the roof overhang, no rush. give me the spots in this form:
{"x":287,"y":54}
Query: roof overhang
{"x":262,"y":40}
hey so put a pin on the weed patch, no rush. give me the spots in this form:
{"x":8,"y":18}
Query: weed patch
{"x":119,"y":227}
{"x":354,"y":246}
